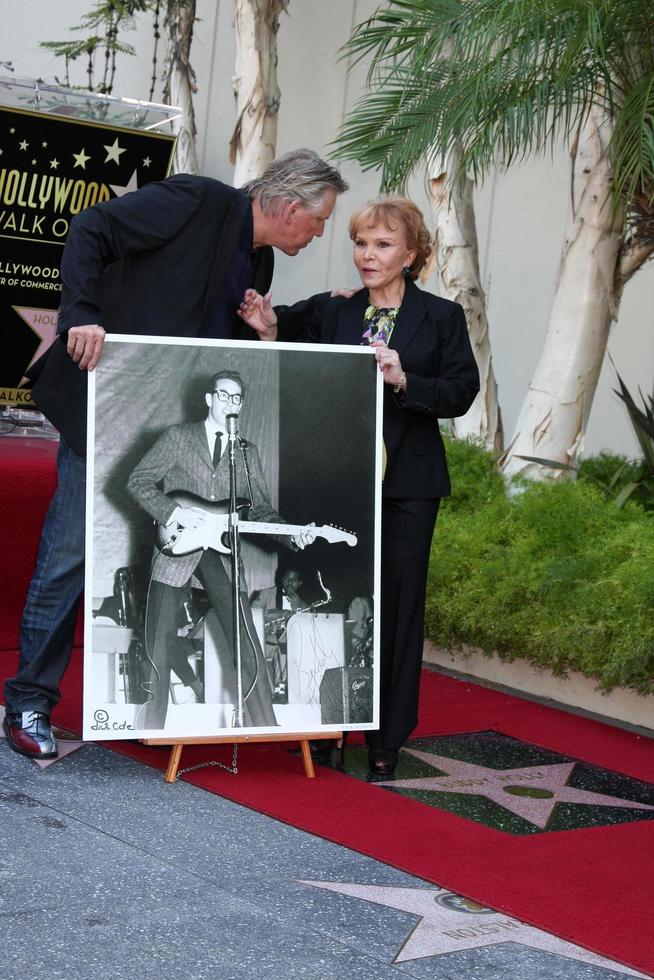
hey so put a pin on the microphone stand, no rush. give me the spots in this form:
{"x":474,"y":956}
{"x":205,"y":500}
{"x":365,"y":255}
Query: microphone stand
{"x":238,"y":720}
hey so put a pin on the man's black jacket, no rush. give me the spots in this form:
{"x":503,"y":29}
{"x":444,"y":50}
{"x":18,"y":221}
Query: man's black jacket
{"x":151,"y":262}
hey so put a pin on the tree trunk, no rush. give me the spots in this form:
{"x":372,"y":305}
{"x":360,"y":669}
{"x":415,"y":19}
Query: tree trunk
{"x":457,"y":259}
{"x":553,"y":417}
{"x":179,"y":82}
{"x":253,"y":141}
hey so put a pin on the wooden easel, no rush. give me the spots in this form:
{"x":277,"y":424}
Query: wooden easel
{"x":303,"y":738}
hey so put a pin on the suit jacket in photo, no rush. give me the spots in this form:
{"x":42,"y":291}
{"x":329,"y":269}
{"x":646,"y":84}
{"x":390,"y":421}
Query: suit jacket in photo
{"x":431,"y":337}
{"x":180,"y":461}
{"x":151,"y":262}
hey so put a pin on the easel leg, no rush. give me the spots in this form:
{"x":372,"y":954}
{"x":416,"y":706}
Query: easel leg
{"x":304,"y":739}
{"x":173,"y":762}
{"x":307,"y":761}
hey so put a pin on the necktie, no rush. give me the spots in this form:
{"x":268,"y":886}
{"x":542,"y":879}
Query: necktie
{"x":217,"y":449}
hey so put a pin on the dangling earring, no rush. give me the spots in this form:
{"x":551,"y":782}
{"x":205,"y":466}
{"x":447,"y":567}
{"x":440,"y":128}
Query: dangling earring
{"x":406,"y":270}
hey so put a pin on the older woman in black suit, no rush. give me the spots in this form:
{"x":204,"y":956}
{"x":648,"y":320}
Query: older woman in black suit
{"x":423,"y":351}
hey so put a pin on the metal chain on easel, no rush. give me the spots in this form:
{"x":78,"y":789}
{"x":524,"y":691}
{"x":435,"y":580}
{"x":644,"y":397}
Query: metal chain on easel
{"x":220,"y":765}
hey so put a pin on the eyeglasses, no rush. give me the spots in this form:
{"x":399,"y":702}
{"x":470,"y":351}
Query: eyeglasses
{"x":224,"y":396}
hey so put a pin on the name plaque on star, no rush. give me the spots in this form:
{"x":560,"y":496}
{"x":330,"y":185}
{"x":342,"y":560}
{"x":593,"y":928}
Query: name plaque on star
{"x":51,"y":168}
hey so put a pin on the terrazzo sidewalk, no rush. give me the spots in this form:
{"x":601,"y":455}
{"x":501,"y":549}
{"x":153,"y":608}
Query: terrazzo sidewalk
{"x":107,"y":871}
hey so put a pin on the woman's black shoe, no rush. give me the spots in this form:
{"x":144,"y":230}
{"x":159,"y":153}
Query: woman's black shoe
{"x":381,"y":764}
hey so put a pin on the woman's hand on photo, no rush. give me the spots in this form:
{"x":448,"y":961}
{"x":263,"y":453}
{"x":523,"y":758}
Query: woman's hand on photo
{"x":389,"y":363}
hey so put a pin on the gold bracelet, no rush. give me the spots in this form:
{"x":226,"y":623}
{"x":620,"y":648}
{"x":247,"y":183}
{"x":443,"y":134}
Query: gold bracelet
{"x":401,"y":385}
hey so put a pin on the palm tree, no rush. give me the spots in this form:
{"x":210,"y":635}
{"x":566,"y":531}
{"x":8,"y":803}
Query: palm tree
{"x":456,"y":257}
{"x":253,"y":142}
{"x":179,"y":83}
{"x":498,"y":81}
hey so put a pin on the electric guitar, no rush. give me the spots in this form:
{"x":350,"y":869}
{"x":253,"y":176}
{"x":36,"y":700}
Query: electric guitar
{"x":212,"y":531}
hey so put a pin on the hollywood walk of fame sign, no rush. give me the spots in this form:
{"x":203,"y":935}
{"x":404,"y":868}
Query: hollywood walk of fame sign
{"x":57,"y":157}
{"x":448,"y":923}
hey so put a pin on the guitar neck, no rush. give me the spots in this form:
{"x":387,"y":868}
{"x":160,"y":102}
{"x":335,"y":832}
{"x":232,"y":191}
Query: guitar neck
{"x":262,"y":527}
{"x":326,"y":531}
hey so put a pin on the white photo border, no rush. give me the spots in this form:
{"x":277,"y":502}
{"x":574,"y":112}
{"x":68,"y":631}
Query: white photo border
{"x":113,"y":721}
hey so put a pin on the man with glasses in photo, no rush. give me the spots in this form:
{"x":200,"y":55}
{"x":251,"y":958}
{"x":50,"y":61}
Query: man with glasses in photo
{"x":191,"y":461}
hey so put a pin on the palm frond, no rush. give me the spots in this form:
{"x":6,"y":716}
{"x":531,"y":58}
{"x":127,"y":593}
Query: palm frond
{"x":501,"y":80}
{"x":633,"y":143}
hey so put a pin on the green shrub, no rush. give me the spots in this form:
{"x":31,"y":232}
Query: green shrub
{"x":474,"y":475}
{"x":615,"y":472}
{"x":556,"y":575}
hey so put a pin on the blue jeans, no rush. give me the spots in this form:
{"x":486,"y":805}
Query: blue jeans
{"x":48,"y":624}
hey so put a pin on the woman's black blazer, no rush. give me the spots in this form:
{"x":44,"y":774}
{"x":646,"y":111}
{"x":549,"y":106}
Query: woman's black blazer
{"x":431,"y":337}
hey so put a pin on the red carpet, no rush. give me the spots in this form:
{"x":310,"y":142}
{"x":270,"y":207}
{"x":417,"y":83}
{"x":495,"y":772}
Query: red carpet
{"x":593,"y":887}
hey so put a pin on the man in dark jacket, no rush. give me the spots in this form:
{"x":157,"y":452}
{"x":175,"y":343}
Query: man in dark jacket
{"x":172,"y":259}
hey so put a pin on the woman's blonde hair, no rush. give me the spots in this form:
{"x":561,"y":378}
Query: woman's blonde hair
{"x":393,"y":212}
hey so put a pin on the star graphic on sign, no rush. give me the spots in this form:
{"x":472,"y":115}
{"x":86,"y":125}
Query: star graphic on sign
{"x":531,"y":792}
{"x":80,"y":159}
{"x":43,"y":323}
{"x":130,"y":186}
{"x":44,"y":144}
{"x":147,"y":161}
{"x":54,"y":164}
{"x":448,"y":923}
{"x":113,"y":152}
{"x":23,"y":144}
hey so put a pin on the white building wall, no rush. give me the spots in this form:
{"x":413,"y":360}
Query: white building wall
{"x":520,"y":214}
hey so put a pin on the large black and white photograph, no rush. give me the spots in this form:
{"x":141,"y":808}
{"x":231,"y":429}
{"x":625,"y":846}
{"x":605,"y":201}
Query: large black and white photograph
{"x":232,"y":539}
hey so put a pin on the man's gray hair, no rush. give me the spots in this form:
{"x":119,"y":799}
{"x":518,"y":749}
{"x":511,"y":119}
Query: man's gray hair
{"x":299,"y":175}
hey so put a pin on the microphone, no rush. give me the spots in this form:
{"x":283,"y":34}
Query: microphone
{"x":232,"y":427}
